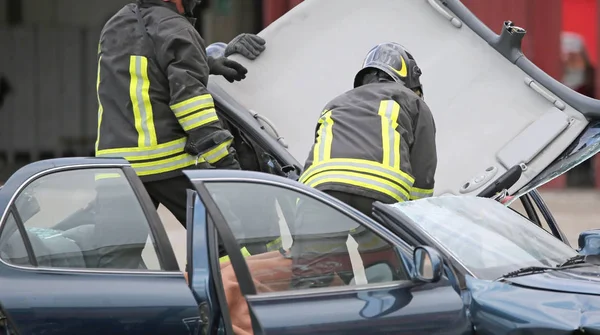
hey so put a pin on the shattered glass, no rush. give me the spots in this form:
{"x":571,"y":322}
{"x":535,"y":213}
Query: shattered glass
{"x":581,"y":150}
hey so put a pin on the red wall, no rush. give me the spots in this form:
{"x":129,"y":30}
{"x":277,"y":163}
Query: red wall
{"x":541,"y":19}
{"x":581,"y":16}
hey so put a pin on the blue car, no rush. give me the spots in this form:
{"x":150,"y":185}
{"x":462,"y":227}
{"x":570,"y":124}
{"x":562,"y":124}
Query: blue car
{"x":83,"y":250}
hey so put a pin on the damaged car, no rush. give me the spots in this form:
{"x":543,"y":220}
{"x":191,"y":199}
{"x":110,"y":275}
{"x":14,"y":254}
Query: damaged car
{"x":82,"y":247}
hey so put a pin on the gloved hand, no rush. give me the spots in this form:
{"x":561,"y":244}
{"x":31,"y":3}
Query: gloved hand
{"x":247,"y":45}
{"x":231,"y":70}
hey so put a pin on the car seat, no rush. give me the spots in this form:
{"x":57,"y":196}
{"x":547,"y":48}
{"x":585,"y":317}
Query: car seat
{"x":51,"y":249}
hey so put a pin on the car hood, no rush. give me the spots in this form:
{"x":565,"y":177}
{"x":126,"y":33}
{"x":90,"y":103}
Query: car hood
{"x":585,"y":280}
{"x":487,"y":109}
{"x":500,"y":308}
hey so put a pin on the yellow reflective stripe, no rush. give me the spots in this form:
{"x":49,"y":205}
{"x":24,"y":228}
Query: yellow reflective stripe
{"x":244,"y":252}
{"x":164,"y":165}
{"x":198,"y":119}
{"x":275,"y":244}
{"x":101,"y":176}
{"x":360,"y":165}
{"x":140,"y":99}
{"x":419,"y":193}
{"x":361,"y":180}
{"x":217,"y":153}
{"x":190,"y":105}
{"x":389,"y":110}
{"x":322,"y":149}
{"x":100,"y":109}
{"x":135,"y":153}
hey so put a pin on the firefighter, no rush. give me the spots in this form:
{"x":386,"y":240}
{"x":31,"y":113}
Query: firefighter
{"x":154,"y":108}
{"x":376,"y":142}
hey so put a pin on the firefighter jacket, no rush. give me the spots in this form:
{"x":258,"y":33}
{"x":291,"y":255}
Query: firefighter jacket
{"x":378,"y":141}
{"x":152,"y":96}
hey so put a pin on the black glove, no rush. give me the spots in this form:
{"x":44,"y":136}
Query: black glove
{"x":231,"y":70}
{"x":247,"y":45}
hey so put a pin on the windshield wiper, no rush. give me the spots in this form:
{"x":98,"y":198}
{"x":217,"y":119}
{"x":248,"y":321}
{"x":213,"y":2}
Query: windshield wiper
{"x":526,"y":271}
{"x":573,"y":260}
{"x":569,"y":263}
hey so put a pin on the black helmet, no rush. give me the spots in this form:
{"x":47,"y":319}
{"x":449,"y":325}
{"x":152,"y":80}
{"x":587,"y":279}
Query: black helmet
{"x":395,"y":61}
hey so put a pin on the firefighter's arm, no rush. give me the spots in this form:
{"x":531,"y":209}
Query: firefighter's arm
{"x":423,"y":153}
{"x":183,"y":60}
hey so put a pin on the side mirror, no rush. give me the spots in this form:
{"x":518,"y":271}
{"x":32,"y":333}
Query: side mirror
{"x":589,"y":242}
{"x":428,"y":265}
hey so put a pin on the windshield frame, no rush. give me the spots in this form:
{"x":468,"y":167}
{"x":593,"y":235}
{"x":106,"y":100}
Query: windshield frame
{"x":587,"y":143}
{"x":488,"y":273}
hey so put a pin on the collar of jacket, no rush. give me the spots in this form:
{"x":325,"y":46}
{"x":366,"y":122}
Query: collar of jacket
{"x":168,"y":4}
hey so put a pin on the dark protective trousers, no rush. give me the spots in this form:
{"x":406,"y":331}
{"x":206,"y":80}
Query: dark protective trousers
{"x":362,"y":204}
{"x":172,"y":194}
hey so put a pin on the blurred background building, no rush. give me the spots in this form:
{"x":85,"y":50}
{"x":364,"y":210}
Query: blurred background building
{"x":48,"y":63}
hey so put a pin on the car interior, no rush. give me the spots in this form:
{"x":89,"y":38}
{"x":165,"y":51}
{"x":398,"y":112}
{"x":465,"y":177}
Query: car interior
{"x":72,"y":243}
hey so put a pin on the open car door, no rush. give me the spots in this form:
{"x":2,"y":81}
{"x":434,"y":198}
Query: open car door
{"x":360,"y":283}
{"x":82,"y":250}
{"x":493,"y":108}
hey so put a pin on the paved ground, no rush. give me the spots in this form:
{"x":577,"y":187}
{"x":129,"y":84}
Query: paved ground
{"x":574,"y":210}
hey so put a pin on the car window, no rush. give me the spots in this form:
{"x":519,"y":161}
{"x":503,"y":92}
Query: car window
{"x":326,"y":247}
{"x":13,"y":245}
{"x":486,"y":237}
{"x":86,"y":219}
{"x":519,"y":206}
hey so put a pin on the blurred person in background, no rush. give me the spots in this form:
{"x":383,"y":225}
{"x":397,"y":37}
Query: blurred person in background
{"x":579,"y":75}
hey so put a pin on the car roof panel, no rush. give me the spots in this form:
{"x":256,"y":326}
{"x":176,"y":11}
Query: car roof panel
{"x":480,"y":100}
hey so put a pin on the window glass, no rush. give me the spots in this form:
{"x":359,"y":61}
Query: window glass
{"x":87,"y":218}
{"x":13,"y":248}
{"x":489,"y":239}
{"x":322,"y":246}
{"x":518,"y":206}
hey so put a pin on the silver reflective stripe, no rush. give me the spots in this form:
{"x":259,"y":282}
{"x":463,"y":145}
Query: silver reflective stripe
{"x":346,"y":165}
{"x":419,"y":195}
{"x":323,"y":140}
{"x":184,"y":108}
{"x":139,"y":93}
{"x":156,"y":167}
{"x":389,"y":111}
{"x":174,"y":148}
{"x":196,"y":120}
{"x":392,"y":191}
{"x":221,"y":152}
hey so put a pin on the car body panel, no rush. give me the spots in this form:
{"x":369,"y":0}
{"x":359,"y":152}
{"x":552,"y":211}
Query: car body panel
{"x":559,"y":300}
{"x":485,"y":108}
{"x":94,"y":301}
{"x":399,"y":307}
{"x":581,"y":280}
{"x":498,"y":308}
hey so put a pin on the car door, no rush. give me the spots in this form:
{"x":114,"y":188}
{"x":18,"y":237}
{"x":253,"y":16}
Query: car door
{"x":492,"y":107}
{"x":82,"y":250}
{"x":347,"y":276}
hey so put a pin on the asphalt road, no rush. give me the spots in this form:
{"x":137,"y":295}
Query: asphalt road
{"x":574,"y":210}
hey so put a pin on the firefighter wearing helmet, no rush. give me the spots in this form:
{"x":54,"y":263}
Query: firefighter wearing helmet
{"x":377,"y":141}
{"x":154,"y":107}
